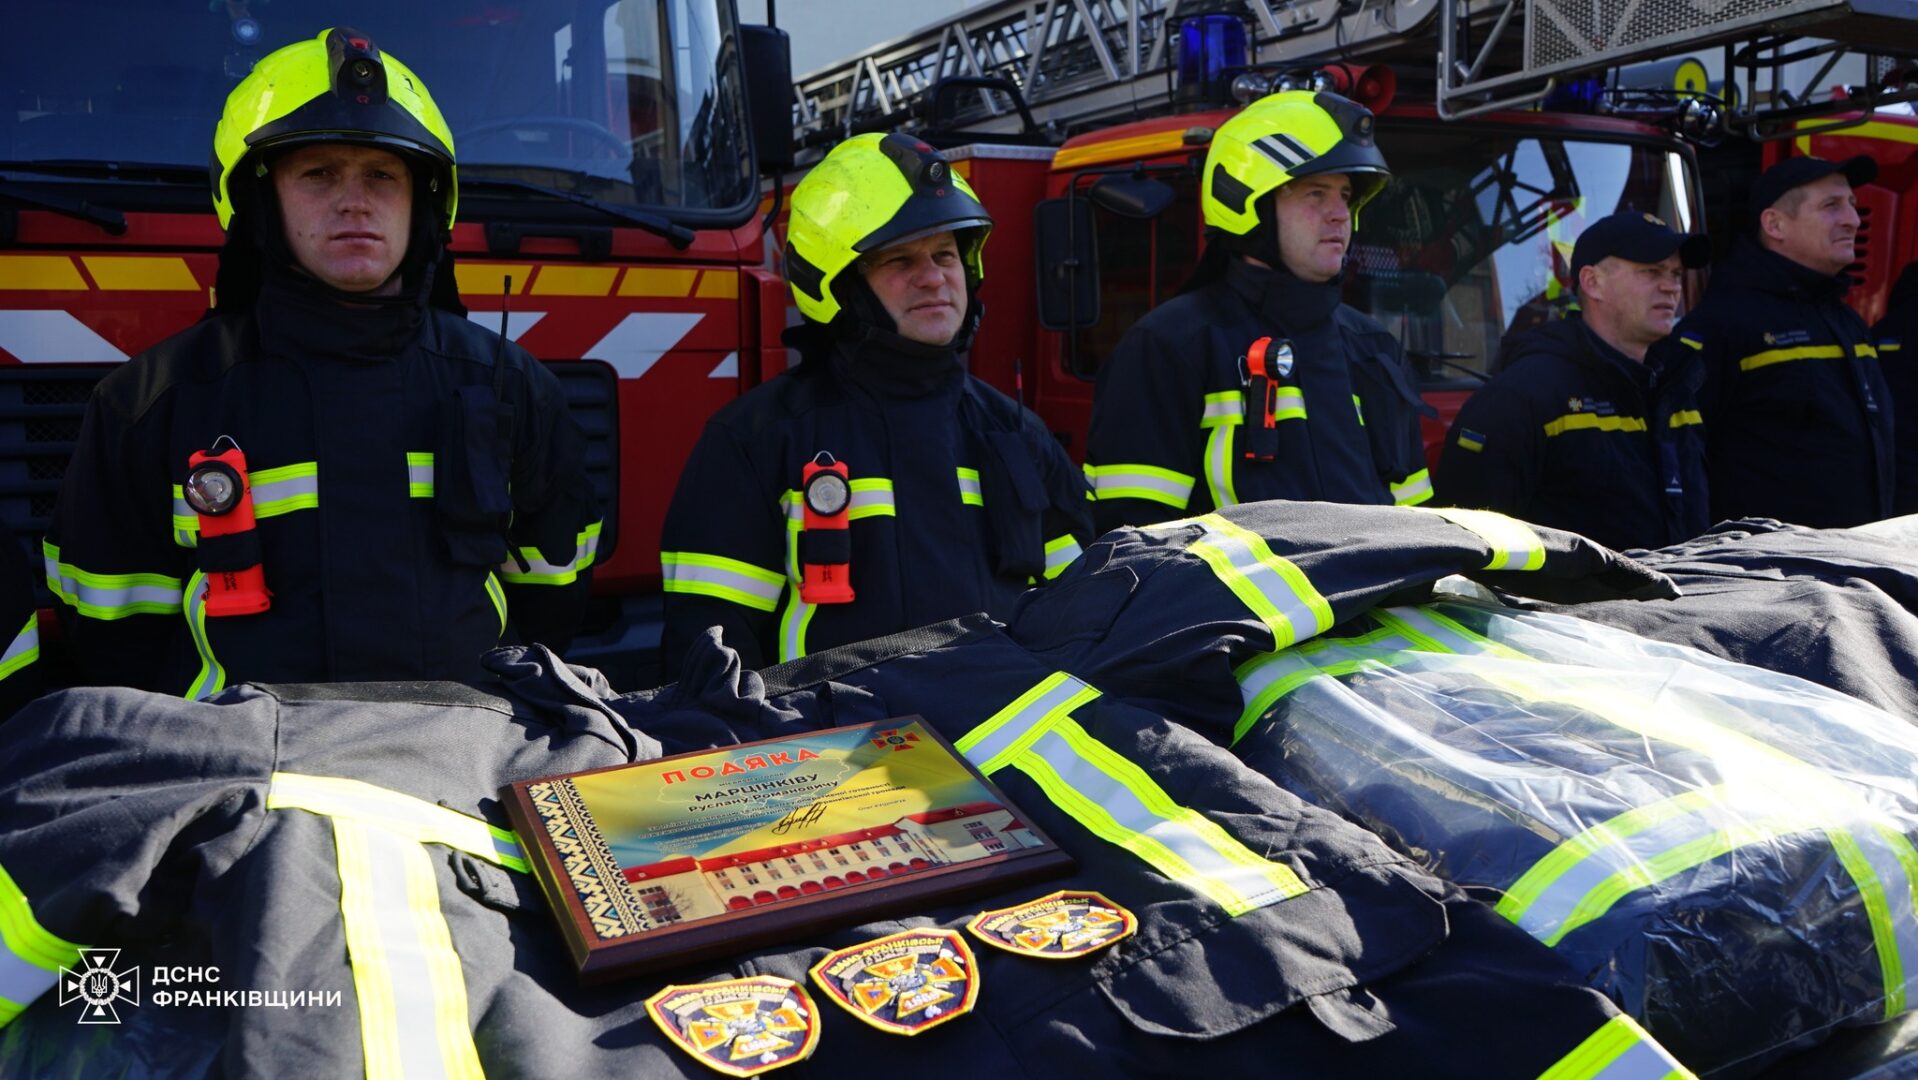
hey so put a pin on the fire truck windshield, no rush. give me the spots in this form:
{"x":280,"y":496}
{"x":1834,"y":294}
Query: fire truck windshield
{"x":632,"y":102}
{"x":1473,"y":238}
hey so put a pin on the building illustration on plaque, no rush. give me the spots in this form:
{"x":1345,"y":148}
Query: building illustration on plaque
{"x":690,"y":887}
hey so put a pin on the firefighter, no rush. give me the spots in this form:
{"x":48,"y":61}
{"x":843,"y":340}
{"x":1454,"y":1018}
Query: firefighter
{"x":1577,"y":431}
{"x":1889,"y":334}
{"x":334,"y":475}
{"x":1257,"y":382}
{"x":1797,"y":417}
{"x":877,"y":486}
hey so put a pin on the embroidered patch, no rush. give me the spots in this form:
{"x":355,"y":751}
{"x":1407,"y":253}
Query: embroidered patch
{"x":903,"y":983}
{"x":1470,"y":440}
{"x":741,"y":1027}
{"x":1061,"y":926}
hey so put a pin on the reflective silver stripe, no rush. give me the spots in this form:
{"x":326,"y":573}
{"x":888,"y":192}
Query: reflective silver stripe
{"x":1515,"y":546}
{"x":109,"y":596}
{"x":1274,"y":589}
{"x":988,"y":745}
{"x":1185,"y":846}
{"x":1618,"y":1050}
{"x":793,"y":625}
{"x":406,"y":976}
{"x":30,"y":956}
{"x":1060,"y":554}
{"x":1224,"y":407}
{"x":1897,"y":899}
{"x":1263,"y":681}
{"x":541,"y":572}
{"x":212,"y":675}
{"x":696,"y":573}
{"x":24,"y":649}
{"x":1218,"y":467}
{"x":1414,"y":489}
{"x":1149,"y":482}
{"x":419,"y":475}
{"x":970,"y":493}
{"x":275,"y":491}
{"x":870,"y":496}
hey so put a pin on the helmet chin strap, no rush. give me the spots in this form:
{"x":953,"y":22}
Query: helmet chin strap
{"x":862,"y":316}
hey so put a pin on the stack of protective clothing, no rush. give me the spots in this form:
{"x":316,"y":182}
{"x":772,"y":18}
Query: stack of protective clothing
{"x":1836,"y":606}
{"x":1725,"y":851}
{"x":346,"y":839}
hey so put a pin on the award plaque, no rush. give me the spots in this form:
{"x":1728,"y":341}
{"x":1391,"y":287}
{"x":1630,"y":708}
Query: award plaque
{"x":665,"y":862}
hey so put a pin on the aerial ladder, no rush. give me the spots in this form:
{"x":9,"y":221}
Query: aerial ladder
{"x":1042,"y":70}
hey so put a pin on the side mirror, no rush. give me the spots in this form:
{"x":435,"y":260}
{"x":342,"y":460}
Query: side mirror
{"x":1066,"y":256}
{"x":766,"y":54}
{"x":1138,"y":197}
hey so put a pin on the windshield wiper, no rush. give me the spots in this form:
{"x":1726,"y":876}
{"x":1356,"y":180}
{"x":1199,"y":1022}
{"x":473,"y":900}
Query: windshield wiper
{"x":113,"y":221}
{"x":678,"y":235}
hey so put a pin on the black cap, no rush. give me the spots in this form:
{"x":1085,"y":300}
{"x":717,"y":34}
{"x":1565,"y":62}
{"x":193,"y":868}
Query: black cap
{"x":1637,"y":237}
{"x":1799,"y":171}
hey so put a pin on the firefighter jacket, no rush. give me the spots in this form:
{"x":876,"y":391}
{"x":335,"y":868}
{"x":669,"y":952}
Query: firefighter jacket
{"x":20,"y":678}
{"x":960,"y":499}
{"x":1838,"y":607}
{"x":1797,"y":420}
{"x":384,"y":472}
{"x":1574,"y":434}
{"x":288,"y":840}
{"x":1172,"y":422}
{"x":1900,"y":366}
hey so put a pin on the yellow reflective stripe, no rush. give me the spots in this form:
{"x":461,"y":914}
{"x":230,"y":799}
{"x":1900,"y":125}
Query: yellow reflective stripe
{"x":406,"y":977}
{"x":1008,"y":731}
{"x":1226,"y":407}
{"x":212,"y":675}
{"x":1134,"y":481}
{"x":1781,"y":356}
{"x":1685,"y":417}
{"x":1275,"y":590}
{"x":1119,"y":803}
{"x":694,"y":573}
{"x":1879,"y":913}
{"x":793,"y":624}
{"x":1219,"y":459}
{"x":541,"y":572}
{"x":109,"y":596}
{"x":871,"y":497}
{"x":1359,"y":407}
{"x":30,"y":955}
{"x":1268,"y":677}
{"x":1060,"y":553}
{"x":497,"y":594}
{"x":1514,"y":544}
{"x":1862,"y":350}
{"x":24,"y":649}
{"x":1690,"y":342}
{"x":419,"y":474}
{"x":1620,"y":1050}
{"x":276,"y":491}
{"x":396,"y":812}
{"x":969,"y":491}
{"x":1584,"y":421}
{"x":1414,"y":489}
{"x":1584,"y":877}
{"x":1289,"y":404}
{"x":1889,"y":346}
{"x":1812,"y":799}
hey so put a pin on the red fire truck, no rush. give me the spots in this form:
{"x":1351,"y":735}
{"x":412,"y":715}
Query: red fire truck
{"x":610,"y":189}
{"x":611,"y":154}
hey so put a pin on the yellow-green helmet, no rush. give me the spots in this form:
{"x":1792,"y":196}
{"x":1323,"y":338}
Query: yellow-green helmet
{"x":336,"y":87}
{"x":871,"y":192}
{"x":1280,"y":138}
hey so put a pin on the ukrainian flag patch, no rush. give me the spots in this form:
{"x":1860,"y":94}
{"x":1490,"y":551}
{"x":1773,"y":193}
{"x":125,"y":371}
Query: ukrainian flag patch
{"x":1470,"y":440}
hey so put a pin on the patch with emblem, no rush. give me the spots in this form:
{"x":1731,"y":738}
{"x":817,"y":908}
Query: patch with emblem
{"x":1061,"y":926}
{"x":741,"y":1027}
{"x":1787,"y":337}
{"x":1470,"y":440}
{"x":903,"y":983}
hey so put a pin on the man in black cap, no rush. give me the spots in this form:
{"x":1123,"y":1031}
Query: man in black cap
{"x":1577,"y":431}
{"x":1797,"y":415}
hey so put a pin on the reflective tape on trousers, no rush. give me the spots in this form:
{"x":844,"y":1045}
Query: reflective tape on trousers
{"x":1620,"y":1050}
{"x":30,"y":956}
